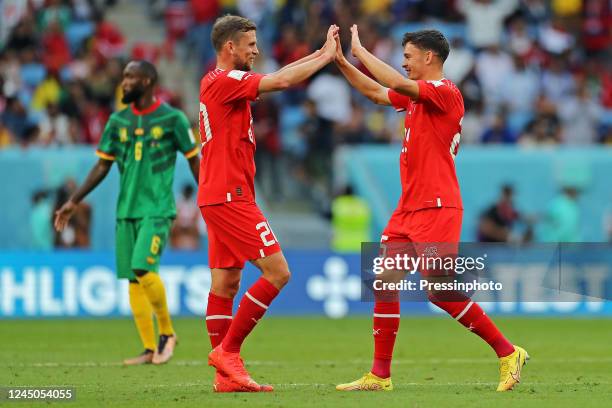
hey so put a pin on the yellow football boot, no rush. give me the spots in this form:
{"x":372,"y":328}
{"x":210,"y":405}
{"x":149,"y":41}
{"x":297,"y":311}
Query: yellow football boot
{"x":369,"y":382}
{"x":510,"y":368}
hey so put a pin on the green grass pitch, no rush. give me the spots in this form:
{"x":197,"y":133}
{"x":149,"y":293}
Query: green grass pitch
{"x":437,"y":363}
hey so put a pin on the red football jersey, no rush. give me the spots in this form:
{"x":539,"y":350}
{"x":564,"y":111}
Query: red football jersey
{"x":431,"y":141}
{"x":227,"y":167}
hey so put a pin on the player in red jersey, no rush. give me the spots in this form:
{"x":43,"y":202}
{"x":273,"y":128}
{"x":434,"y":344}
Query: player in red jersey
{"x":430,"y":208}
{"x":237,"y":229}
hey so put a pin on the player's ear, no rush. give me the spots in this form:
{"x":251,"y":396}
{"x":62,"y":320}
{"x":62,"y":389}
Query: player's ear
{"x":429,"y":55}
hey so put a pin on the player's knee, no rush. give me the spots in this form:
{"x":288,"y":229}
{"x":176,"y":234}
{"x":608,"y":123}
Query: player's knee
{"x":279,"y":276}
{"x":227,"y":288}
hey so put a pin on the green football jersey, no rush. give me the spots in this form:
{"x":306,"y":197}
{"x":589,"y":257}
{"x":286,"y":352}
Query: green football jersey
{"x":144,"y":146}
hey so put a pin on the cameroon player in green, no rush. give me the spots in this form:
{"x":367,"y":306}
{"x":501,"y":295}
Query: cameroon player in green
{"x":143,"y":140}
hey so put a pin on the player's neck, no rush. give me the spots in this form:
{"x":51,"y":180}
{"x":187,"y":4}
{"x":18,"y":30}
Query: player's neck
{"x":225,"y":62}
{"x":433,"y":76}
{"x":144,"y":102}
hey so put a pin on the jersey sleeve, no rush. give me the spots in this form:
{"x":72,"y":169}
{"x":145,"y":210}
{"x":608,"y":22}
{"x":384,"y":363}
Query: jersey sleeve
{"x":400,"y":102}
{"x":436,"y":93}
{"x":185,"y":139}
{"x":237,"y":85}
{"x":107,"y":146}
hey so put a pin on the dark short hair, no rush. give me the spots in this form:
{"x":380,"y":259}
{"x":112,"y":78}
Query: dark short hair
{"x":429,"y":40}
{"x":148,"y":69}
{"x":229,"y":27}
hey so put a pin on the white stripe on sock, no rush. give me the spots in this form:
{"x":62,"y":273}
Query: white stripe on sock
{"x":257,"y":302}
{"x":215,"y":317}
{"x":386,"y":315}
{"x":464,"y":311}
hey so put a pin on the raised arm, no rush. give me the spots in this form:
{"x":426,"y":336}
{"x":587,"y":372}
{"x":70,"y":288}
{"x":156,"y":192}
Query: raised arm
{"x":382,"y":72}
{"x":95,"y":176}
{"x":307,"y":58}
{"x":296,"y":72}
{"x":364,"y":84}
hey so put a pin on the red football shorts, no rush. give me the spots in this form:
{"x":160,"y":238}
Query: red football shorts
{"x":237,"y":232}
{"x":430,"y":232}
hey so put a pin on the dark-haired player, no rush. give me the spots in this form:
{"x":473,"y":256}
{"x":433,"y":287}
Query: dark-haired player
{"x":143,"y":140}
{"x":237,"y":229}
{"x":430,"y":208}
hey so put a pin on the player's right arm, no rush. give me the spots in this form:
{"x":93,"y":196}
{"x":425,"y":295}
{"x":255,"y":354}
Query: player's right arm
{"x":95,"y":176}
{"x":106,"y":153}
{"x":360,"y":81}
{"x":297,"y":72}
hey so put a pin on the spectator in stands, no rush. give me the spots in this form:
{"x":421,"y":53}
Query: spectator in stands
{"x":47,"y":92}
{"x":6,"y":137}
{"x":351,"y":217}
{"x":93,"y":119}
{"x":331,"y":95}
{"x":23,"y":35}
{"x":485,"y":20}
{"x":519,"y":40}
{"x":267,"y":155}
{"x":355,"y":130}
{"x":108,"y":42}
{"x":184,"y":233}
{"x":493,"y":66}
{"x":54,"y":13}
{"x":580,"y":116}
{"x":496,"y":222}
{"x":15,"y":118}
{"x":204,"y":14}
{"x":55,"y":48}
{"x":557,"y":81}
{"x":54,"y":127}
{"x":460,"y":61}
{"x":561,"y":222}
{"x":498,"y":131}
{"x":317,"y":131}
{"x":545,"y":128}
{"x":40,"y":222}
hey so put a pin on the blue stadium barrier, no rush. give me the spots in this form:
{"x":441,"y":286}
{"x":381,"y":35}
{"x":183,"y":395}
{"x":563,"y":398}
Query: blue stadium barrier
{"x":374,"y":170}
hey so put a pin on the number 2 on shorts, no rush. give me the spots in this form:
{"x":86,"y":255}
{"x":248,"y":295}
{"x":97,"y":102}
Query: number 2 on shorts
{"x":266,"y":233}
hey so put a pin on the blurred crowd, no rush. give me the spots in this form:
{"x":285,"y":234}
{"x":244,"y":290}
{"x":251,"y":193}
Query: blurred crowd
{"x":60,"y":70}
{"x":532,"y":72}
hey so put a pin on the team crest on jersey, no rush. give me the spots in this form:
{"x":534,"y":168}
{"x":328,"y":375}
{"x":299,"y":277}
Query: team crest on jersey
{"x":157,"y":132}
{"x":123,"y":135}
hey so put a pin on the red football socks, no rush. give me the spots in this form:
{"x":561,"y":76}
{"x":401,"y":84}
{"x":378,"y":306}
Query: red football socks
{"x":386,"y":325}
{"x":252,"y":307}
{"x":218,"y":317}
{"x":471,"y":315}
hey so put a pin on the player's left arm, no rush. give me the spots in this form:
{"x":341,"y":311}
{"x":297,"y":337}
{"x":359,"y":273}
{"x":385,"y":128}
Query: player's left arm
{"x":383,"y":72}
{"x":187,"y":144}
{"x":307,"y":58}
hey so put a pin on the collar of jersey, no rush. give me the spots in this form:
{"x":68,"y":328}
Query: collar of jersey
{"x":150,"y":109}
